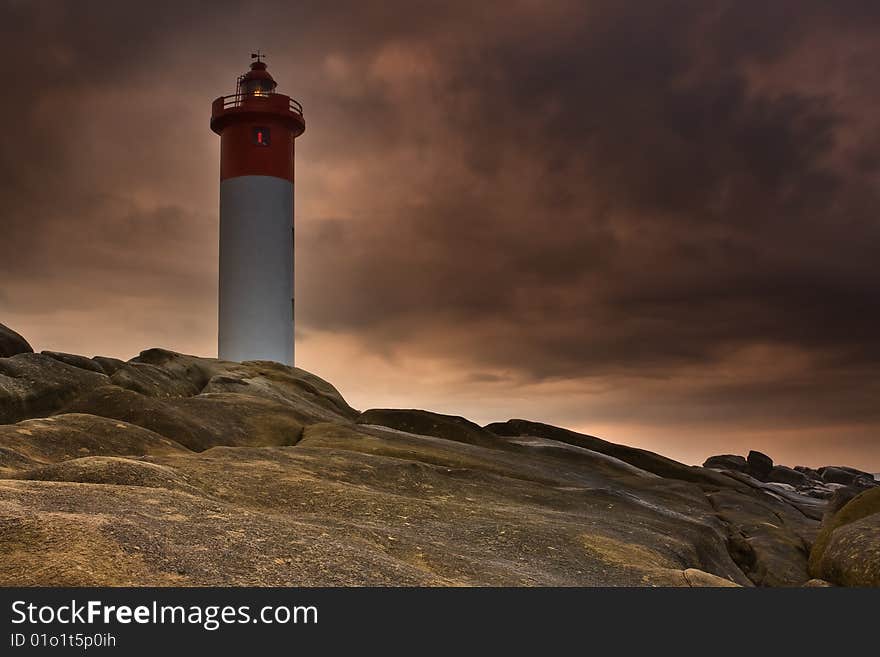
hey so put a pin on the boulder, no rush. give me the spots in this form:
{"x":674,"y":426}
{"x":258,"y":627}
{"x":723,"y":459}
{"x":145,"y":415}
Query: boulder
{"x":851,"y":556}
{"x":11,"y":343}
{"x":760,"y":465}
{"x":785,"y":475}
{"x":846,"y":551}
{"x":727,"y":462}
{"x":847,"y":476}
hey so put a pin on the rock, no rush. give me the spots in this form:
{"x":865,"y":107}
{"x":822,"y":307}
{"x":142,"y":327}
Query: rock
{"x":727,"y":462}
{"x":200,"y":402}
{"x":77,"y":361}
{"x":760,"y":465}
{"x":198,"y":423}
{"x":851,"y":556}
{"x":36,"y":385}
{"x":352,"y":505}
{"x":640,"y":458}
{"x":766,"y":541}
{"x":839,"y":499}
{"x":177,"y":470}
{"x":12,"y":344}
{"x":301,"y":388}
{"x":305,"y":404}
{"x":808,"y":505}
{"x":817,"y":583}
{"x":846,"y":476}
{"x":699,"y":578}
{"x":310,"y":398}
{"x":786,"y":475}
{"x":427,"y":423}
{"x":847,"y":550}
{"x":819,"y":492}
{"x":153,"y":381}
{"x":109,"y":365}
{"x":532,"y":446}
{"x":198,"y":371}
{"x":596,"y":470}
{"x":810,"y":473}
{"x":112,"y":470}
{"x":61,"y":437}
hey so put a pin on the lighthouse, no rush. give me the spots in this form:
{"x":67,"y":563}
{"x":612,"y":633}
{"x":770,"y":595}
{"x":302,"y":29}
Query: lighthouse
{"x":257,"y":128}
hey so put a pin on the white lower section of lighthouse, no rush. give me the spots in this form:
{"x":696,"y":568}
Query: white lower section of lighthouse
{"x":256,"y":269}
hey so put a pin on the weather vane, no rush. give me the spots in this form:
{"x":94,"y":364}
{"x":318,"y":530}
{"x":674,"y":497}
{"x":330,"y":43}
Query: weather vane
{"x":259,"y":55}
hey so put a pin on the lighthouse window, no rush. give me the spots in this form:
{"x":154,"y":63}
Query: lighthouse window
{"x":261,"y":136}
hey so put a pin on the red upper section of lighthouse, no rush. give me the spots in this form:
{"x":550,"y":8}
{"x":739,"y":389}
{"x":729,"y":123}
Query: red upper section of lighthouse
{"x":257,"y":127}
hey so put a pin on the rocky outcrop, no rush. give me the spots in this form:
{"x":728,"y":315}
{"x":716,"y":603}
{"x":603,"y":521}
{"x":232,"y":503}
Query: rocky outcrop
{"x":846,"y":476}
{"x":640,"y":458}
{"x":152,"y":381}
{"x":198,"y":422}
{"x":769,"y":530}
{"x":308,"y":397}
{"x":768,"y":540}
{"x":37,"y":385}
{"x":111,"y":470}
{"x":11,"y":343}
{"x":177,"y":470}
{"x":72,"y":435}
{"x":822,"y":483}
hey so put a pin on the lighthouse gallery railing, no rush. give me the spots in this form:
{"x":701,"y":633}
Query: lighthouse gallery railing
{"x":276,"y":100}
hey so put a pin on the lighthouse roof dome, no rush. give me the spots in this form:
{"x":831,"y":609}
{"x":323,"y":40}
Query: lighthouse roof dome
{"x":258,"y":72}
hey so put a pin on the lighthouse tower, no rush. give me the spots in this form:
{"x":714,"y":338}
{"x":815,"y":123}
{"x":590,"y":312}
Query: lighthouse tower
{"x":257,"y":127}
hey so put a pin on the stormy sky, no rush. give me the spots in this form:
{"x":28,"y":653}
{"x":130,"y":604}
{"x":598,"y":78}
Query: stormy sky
{"x":652,"y":221}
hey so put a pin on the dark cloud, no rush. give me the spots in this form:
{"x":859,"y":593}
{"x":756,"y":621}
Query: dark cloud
{"x":606,"y":194}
